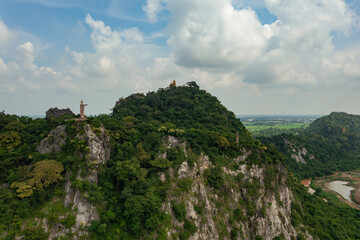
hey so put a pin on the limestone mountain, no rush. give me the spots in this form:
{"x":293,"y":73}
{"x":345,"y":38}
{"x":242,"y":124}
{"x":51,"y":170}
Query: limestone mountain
{"x":331,"y":143}
{"x":171,"y":164}
{"x":337,"y":123}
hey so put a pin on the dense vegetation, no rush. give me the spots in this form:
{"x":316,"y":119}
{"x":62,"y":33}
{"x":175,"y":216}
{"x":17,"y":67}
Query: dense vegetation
{"x":129,"y":194}
{"x":333,"y":141}
{"x":27,"y":178}
{"x":328,"y":220}
{"x":336,"y":124}
{"x":138,"y":126}
{"x":188,"y":112}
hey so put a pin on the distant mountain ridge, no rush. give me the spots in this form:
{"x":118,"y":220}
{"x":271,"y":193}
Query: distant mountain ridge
{"x":331,"y":143}
{"x":337,"y":123}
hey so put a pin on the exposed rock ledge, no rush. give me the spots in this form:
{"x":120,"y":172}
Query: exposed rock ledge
{"x":54,"y":141}
{"x":99,"y":152}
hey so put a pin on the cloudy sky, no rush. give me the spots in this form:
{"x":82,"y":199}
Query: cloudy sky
{"x":256,"y":56}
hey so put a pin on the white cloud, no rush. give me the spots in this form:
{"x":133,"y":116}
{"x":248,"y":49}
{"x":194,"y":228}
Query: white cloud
{"x":20,"y":74}
{"x":78,"y":57}
{"x":102,"y":37}
{"x":225,"y":36}
{"x":303,"y":43}
{"x":132,"y":35}
{"x":26,"y":56}
{"x":221,"y":44}
{"x":5,"y":35}
{"x":120,"y":59}
{"x":3,"y":66}
{"x":212,"y":34}
{"x":153,"y":8}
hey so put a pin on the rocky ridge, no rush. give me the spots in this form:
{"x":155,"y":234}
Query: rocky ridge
{"x":272,"y":209}
{"x":58,"y":113}
{"x":299,"y":153}
{"x":54,"y":141}
{"x":98,"y":145}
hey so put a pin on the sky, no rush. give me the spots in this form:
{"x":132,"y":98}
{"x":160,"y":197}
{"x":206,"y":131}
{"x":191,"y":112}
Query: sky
{"x":256,"y":56}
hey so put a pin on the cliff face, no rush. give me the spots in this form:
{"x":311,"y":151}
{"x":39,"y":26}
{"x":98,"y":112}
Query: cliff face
{"x":54,"y":141}
{"x":98,"y":152}
{"x":242,"y":209}
{"x":298,"y":153}
{"x":58,"y":113}
{"x":182,"y":167}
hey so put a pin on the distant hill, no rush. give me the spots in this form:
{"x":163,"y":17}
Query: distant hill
{"x":331,"y":143}
{"x":335,"y":124}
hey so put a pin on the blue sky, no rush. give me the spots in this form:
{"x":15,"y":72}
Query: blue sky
{"x":257,"y":57}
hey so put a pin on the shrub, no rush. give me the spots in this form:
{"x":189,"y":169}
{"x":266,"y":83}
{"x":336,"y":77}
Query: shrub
{"x":179,"y":210}
{"x":214,"y":177}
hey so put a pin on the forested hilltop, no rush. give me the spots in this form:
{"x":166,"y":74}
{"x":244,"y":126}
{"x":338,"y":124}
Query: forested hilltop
{"x":171,"y":164}
{"x":331,"y":143}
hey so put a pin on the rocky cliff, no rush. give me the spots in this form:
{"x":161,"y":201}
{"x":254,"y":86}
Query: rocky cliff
{"x":54,"y":141}
{"x":244,"y":207}
{"x":181,"y":166}
{"x":58,"y":113}
{"x":77,"y":199}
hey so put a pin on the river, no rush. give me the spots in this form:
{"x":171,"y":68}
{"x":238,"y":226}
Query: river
{"x":341,"y":188}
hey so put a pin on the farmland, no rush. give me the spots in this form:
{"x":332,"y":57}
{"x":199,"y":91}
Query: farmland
{"x":274,"y":125}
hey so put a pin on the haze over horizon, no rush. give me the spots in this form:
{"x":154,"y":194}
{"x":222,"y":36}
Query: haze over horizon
{"x":264,"y":57}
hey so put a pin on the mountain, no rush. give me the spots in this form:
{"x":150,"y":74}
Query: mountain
{"x":336,"y":124}
{"x":331,"y":143}
{"x":171,"y":164}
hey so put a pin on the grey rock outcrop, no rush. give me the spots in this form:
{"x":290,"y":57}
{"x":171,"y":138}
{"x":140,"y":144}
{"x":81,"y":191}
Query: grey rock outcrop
{"x":299,"y":156}
{"x":272,"y":208}
{"x":98,"y":145}
{"x":54,"y":141}
{"x":99,"y":152}
{"x":58,"y":113}
{"x":298,"y":153}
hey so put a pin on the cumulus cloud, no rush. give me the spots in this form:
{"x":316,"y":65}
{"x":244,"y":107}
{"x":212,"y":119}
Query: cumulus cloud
{"x":221,"y":44}
{"x":5,"y":35}
{"x":120,"y":58}
{"x":226,"y":36}
{"x":152,"y":9}
{"x":21,"y":74}
{"x":102,"y":37}
{"x":215,"y":35}
{"x":302,"y":44}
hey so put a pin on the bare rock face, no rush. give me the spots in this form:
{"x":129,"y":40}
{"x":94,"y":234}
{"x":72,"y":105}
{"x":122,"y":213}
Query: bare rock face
{"x":171,"y":141}
{"x":54,"y":141}
{"x":298,"y":157}
{"x":99,"y":152}
{"x":58,"y":113}
{"x":98,"y":145}
{"x":272,"y":209}
{"x":298,"y":154}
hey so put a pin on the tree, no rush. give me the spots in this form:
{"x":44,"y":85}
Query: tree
{"x":130,"y":170}
{"x":192,"y":84}
{"x":43,"y":175}
{"x":24,"y":189}
{"x":10,"y":140}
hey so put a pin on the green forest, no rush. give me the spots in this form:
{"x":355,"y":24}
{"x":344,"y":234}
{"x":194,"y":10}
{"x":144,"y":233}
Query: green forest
{"x":129,"y":194}
{"x":332,"y":143}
